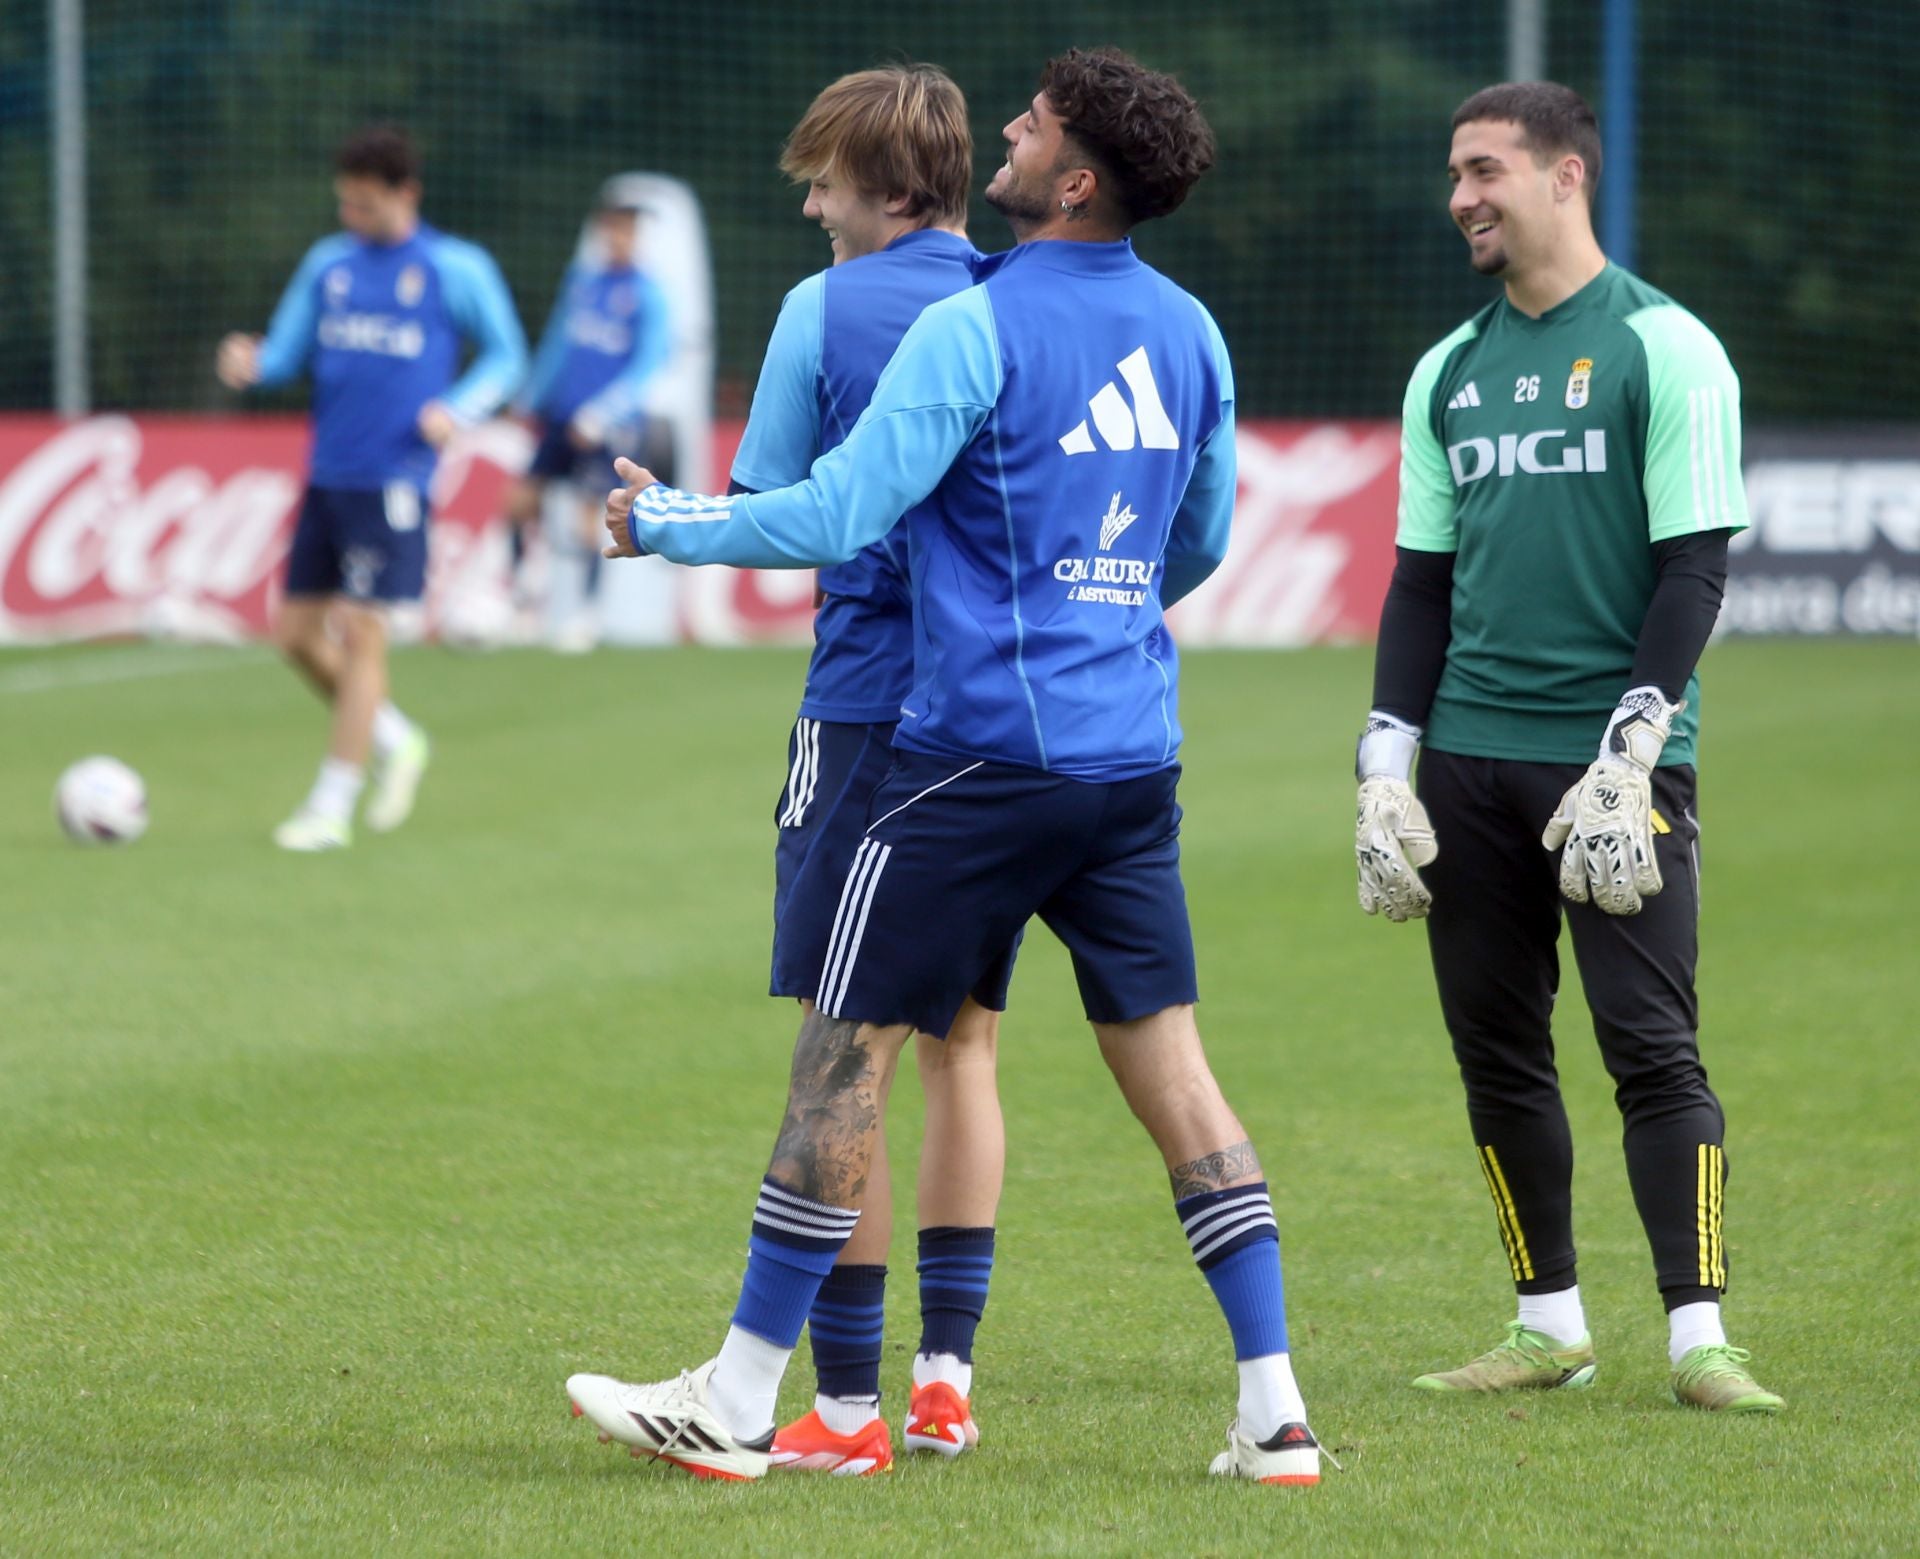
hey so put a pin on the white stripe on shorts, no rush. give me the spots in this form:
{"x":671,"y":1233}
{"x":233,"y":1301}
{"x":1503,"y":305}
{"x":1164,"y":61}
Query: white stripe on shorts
{"x":927,"y":792}
{"x":804,"y":778}
{"x":849,"y":892}
{"x":813,"y":772}
{"x":850,"y":924}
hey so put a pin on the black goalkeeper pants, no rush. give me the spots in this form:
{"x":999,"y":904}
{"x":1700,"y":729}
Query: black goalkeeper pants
{"x":1494,"y":932}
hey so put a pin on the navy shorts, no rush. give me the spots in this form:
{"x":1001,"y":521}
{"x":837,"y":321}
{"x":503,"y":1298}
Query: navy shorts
{"x":833,"y":770}
{"x":367,"y":546}
{"x":955,"y":859}
{"x":557,"y":459}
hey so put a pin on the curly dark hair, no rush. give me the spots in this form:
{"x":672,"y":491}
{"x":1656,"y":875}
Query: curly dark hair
{"x":383,"y":152}
{"x":1139,"y":128}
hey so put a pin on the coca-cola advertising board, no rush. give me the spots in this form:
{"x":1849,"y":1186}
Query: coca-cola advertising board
{"x":180,"y":526}
{"x":117,"y":525}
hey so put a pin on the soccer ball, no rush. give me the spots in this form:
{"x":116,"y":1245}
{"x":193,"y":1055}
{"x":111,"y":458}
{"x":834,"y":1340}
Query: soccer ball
{"x":101,"y":801}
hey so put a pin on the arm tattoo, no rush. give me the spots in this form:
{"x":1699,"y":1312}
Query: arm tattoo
{"x":833,"y":1107}
{"x":1214,"y":1172}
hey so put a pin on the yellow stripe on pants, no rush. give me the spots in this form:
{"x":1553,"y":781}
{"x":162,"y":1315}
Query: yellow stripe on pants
{"x":1508,"y":1215}
{"x":1704,"y":1214}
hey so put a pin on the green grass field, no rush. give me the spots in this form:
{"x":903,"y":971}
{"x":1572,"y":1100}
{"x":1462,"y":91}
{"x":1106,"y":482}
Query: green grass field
{"x":319,"y":1175}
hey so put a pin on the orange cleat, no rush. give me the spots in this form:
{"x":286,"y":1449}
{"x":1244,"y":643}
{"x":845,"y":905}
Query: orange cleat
{"x":808,"y":1445}
{"x":939,"y":1419}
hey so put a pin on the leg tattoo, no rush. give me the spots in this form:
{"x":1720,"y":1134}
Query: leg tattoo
{"x":1215,"y":1171}
{"x":833,"y":1109}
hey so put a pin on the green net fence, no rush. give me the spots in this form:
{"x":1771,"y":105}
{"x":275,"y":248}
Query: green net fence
{"x":1773,"y":193}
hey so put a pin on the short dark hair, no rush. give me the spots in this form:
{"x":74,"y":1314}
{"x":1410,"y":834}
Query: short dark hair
{"x":1554,"y":120}
{"x":383,"y":152}
{"x":1140,"y":128}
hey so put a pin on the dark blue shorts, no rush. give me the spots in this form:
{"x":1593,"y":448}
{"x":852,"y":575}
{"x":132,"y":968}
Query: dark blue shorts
{"x":955,"y":859}
{"x":833,"y":770}
{"x":556,"y":459}
{"x":367,"y":546}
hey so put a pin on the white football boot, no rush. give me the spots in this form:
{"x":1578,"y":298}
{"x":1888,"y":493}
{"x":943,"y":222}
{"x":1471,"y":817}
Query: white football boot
{"x":309,"y":832}
{"x":671,"y":1420}
{"x":1291,"y":1456}
{"x":396,"y":779}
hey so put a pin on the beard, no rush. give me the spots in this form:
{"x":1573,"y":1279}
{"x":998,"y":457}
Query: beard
{"x":1492,"y":263}
{"x":1020,"y":204}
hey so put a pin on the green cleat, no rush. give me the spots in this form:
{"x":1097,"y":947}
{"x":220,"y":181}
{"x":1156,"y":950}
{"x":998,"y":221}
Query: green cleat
{"x":1715,"y":1376}
{"x":1523,"y":1361}
{"x":396,"y":780}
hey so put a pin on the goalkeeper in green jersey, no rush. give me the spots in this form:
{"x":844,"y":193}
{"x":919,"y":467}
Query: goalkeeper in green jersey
{"x":1570,"y":476}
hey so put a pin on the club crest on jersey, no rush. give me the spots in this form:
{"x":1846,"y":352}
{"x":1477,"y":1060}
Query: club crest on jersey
{"x":1114,"y":521}
{"x":338,"y":284}
{"x":412,"y":285}
{"x":1577,"y":383}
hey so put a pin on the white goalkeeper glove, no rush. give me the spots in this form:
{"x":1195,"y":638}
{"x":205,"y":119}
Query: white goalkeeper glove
{"x":1392,"y":835}
{"x":1604,"y":826}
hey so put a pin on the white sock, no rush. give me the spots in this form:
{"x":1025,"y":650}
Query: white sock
{"x":847,"y":1415}
{"x":335,"y":789}
{"x":1269,"y":1396}
{"x":1558,"y":1315}
{"x":390,"y":729}
{"x":929,"y":1367}
{"x":1692,"y":1326}
{"x":745,"y":1383}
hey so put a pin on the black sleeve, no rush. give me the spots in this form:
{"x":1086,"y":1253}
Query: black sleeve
{"x":1685,"y":606}
{"x":1415,"y":625}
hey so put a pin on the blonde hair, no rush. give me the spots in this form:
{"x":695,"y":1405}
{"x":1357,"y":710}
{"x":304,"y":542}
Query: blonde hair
{"x":893,"y":130}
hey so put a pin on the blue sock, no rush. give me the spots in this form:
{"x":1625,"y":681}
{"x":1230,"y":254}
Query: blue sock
{"x":845,"y":1325}
{"x":955,"y":1265}
{"x":1237,"y":1245}
{"x":792,"y":1249}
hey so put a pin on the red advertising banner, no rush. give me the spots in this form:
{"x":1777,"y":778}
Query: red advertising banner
{"x":118,"y":525}
{"x":180,"y":526}
{"x":1312,"y":549}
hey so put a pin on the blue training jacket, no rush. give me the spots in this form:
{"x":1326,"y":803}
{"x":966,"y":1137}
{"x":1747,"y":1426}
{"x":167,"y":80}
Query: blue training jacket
{"x":379,"y":329}
{"x":608,"y":335}
{"x":1068,"y":426}
{"x":835,"y":334}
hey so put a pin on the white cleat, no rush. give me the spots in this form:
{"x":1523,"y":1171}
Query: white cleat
{"x":396,"y":780}
{"x":309,"y":832}
{"x":672,"y":1421}
{"x":1291,"y":1456}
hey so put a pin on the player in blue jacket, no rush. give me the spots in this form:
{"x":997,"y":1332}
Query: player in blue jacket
{"x":607,"y":337}
{"x":1066,"y":429}
{"x":376,"y":317}
{"x":887,"y":161}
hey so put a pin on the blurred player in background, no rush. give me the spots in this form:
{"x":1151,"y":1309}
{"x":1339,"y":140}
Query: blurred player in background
{"x":887,"y":160}
{"x":1036,"y":759}
{"x":376,"y":315}
{"x":607,"y":337}
{"x":1570,"y":479}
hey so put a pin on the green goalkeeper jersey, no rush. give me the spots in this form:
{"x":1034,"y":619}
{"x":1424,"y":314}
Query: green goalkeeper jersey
{"x":1548,"y":454}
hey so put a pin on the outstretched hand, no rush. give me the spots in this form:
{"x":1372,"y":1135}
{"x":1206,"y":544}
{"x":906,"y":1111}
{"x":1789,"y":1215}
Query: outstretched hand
{"x":620,"y":504}
{"x":238,"y":361}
